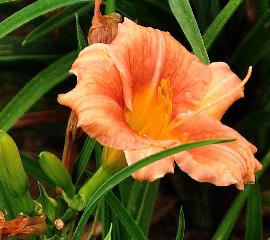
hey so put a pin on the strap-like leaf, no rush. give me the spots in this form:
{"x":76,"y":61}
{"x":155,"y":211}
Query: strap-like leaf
{"x":181,"y":225}
{"x":31,"y":12}
{"x":218,"y":24}
{"x":34,"y":89}
{"x":123,"y":215}
{"x":141,"y":203}
{"x":126,"y":172}
{"x":54,"y":22}
{"x":225,"y":227}
{"x":254,"y":213}
{"x":185,"y":17}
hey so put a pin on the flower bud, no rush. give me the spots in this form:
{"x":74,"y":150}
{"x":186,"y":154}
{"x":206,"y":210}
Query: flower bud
{"x":54,"y":169}
{"x":14,"y":184}
{"x":12,"y":174}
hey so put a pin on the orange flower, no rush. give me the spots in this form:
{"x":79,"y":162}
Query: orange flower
{"x":145,"y":92}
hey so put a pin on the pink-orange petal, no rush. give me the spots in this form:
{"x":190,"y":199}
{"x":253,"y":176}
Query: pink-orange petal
{"x":223,"y":81}
{"x":221,"y":164}
{"x":98,"y":101}
{"x":144,"y":56}
{"x":154,"y":170}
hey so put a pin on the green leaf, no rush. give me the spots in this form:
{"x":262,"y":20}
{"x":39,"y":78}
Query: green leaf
{"x":90,"y":235}
{"x":254,"y":223}
{"x":25,"y":57}
{"x":55,"y":170}
{"x":128,"y":222}
{"x":109,"y":235}
{"x":84,"y":157}
{"x":127,"y":171}
{"x":125,"y":190}
{"x":11,"y":50}
{"x":185,"y":17}
{"x":225,"y":227}
{"x":34,"y":89}
{"x":33,"y":168}
{"x":33,"y":11}
{"x":105,"y":217}
{"x":181,"y":225}
{"x":141,"y":203}
{"x":48,"y":204}
{"x":145,"y":213}
{"x":218,"y":24}
{"x":8,"y":1}
{"x":81,"y":41}
{"x":54,"y":22}
{"x":205,"y":11}
{"x":253,"y":47}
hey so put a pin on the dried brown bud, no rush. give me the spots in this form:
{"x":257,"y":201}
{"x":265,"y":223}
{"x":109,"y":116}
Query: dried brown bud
{"x":2,"y":216}
{"x":59,"y":224}
{"x":22,"y":226}
{"x":104,"y":28}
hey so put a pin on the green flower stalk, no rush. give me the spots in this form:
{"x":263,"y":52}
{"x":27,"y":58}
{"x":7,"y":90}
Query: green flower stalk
{"x":112,"y":161}
{"x":14,"y":184}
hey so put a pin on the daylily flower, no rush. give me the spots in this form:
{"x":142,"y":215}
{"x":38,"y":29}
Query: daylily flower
{"x":144,"y":92}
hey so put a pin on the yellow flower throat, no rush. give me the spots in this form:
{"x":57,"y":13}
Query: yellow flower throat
{"x":151,"y":113}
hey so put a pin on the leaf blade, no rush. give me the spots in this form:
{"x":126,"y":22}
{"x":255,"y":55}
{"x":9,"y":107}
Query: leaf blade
{"x":54,"y":22}
{"x":84,"y":157}
{"x":219,"y":22}
{"x":109,"y":235}
{"x":123,"y":215}
{"x":225,"y":227}
{"x":185,"y":17}
{"x":31,"y":12}
{"x":127,"y":171}
{"x":181,"y":225}
{"x":254,"y":213}
{"x":32,"y":91}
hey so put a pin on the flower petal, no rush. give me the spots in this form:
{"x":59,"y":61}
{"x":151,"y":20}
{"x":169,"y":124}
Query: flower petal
{"x":221,"y":164}
{"x":223,"y":90}
{"x":144,"y":56}
{"x":98,"y":101}
{"x":154,"y":170}
{"x":189,"y":82}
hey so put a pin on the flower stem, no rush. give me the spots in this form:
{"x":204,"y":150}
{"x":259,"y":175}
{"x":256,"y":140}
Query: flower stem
{"x":101,"y":175}
{"x":110,"y":6}
{"x":112,"y":161}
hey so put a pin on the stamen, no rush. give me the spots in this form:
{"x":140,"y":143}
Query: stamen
{"x":165,"y":94}
{"x":152,"y":117}
{"x":176,"y":123}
